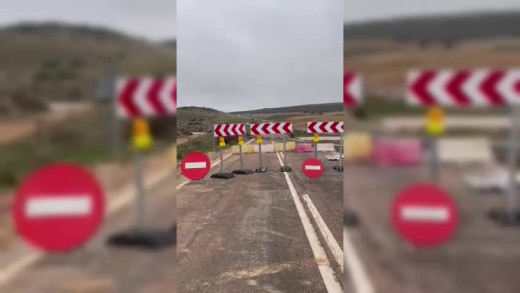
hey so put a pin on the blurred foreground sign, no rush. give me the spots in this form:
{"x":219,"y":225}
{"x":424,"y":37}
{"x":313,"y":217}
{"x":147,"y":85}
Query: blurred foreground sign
{"x":58,"y":208}
{"x":424,"y":215}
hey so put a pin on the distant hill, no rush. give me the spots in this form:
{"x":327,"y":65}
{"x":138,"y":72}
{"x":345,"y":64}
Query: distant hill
{"x":456,"y":27}
{"x":312,"y":108}
{"x":49,"y":61}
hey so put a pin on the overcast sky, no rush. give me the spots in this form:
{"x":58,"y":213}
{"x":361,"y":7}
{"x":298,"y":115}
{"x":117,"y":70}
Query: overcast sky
{"x":238,"y":55}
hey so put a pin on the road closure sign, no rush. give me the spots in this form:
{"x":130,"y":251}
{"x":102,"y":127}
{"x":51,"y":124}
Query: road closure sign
{"x":312,"y":168}
{"x":58,"y":208}
{"x":195,"y":166}
{"x":424,"y":215}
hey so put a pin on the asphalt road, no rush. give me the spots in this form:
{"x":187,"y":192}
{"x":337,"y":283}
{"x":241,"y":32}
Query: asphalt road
{"x":482,"y":257}
{"x":100,"y":268}
{"x":246,"y":235}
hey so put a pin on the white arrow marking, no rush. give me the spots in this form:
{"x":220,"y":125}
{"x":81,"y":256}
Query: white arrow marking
{"x":195,"y":165}
{"x":59,"y":206}
{"x":424,"y":214}
{"x":313,"y":167}
{"x":166,"y":96}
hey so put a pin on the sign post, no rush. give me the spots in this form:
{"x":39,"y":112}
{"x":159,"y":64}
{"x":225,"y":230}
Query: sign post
{"x":512,"y":204}
{"x":435,"y":128}
{"x":261,"y":168}
{"x":474,"y":88}
{"x":277,"y":128}
{"x":316,"y":141}
{"x":339,"y":167}
{"x":242,"y":171}
{"x":137,"y":98}
{"x":221,"y":131}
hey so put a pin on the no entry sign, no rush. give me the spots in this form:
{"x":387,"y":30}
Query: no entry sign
{"x":424,"y":215}
{"x":312,"y":168}
{"x":58,"y":208}
{"x":195,"y":166}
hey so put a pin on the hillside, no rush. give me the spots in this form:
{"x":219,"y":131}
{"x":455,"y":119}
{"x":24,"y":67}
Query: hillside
{"x":446,"y":28}
{"x":384,"y":51}
{"x":42,"y":62}
{"x":312,"y":108}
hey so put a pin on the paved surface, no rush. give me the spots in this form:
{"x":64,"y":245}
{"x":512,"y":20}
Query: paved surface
{"x":481,"y":258}
{"x":99,"y":268}
{"x":245,"y":234}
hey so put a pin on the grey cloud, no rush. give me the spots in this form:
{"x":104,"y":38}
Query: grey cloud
{"x":236,"y":55}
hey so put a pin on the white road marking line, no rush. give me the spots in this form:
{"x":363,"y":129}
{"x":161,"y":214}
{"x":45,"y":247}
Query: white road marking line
{"x":325,"y":231}
{"x":31,"y":257}
{"x":58,"y":206}
{"x":327,"y":274}
{"x":195,"y":165}
{"x":11,"y":270}
{"x":312,"y":167}
{"x":362,"y":283}
{"x":424,"y":214}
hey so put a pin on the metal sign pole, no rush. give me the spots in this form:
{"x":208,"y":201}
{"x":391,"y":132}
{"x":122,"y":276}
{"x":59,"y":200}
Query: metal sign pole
{"x":116,"y":127}
{"x":221,"y":160}
{"x":213,"y":136}
{"x":434,"y":160}
{"x":315,"y":150}
{"x":140,"y":192}
{"x":241,"y":157}
{"x":284,"y":153}
{"x":512,"y":158}
{"x":260,"y":153}
{"x":340,"y":163}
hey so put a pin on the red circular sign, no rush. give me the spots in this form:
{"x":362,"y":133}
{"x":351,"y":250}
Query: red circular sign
{"x":424,"y":215}
{"x":312,"y":168}
{"x":195,"y":166}
{"x":58,"y":208}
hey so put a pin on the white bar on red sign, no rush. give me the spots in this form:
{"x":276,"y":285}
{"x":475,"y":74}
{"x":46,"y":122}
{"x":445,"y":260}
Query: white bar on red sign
{"x":195,"y":165}
{"x":313,"y":167}
{"x":424,"y":214}
{"x":58,"y":206}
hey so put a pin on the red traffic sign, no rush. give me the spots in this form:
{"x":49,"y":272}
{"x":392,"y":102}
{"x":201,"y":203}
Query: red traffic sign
{"x":425,"y":215}
{"x":195,"y":166}
{"x":58,"y":208}
{"x":312,"y":168}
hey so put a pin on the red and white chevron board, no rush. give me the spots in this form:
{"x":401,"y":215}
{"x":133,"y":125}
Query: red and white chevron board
{"x":463,"y":88}
{"x":146,"y":97}
{"x":229,"y":130}
{"x":352,"y":89}
{"x":325,"y":127}
{"x":271,"y":128}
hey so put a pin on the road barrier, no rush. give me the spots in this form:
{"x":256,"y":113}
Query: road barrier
{"x":221,"y":131}
{"x":329,"y":127}
{"x":136,"y":98}
{"x":475,"y":88}
{"x":276,"y":128}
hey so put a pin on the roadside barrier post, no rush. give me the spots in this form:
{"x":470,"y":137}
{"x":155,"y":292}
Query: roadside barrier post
{"x":435,"y":128}
{"x":242,"y":171}
{"x":261,"y":168}
{"x":512,"y":212}
{"x":134,"y":100}
{"x":339,"y":167}
{"x":285,"y":167}
{"x":316,"y":140}
{"x":222,"y":144}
